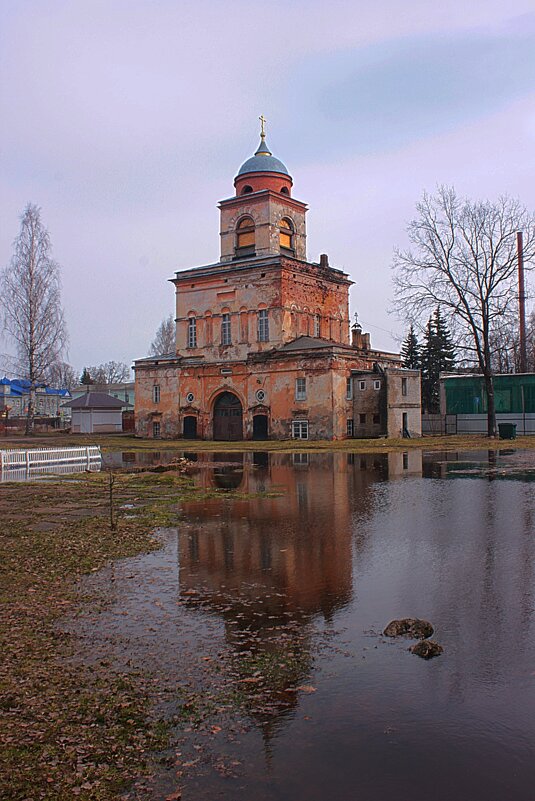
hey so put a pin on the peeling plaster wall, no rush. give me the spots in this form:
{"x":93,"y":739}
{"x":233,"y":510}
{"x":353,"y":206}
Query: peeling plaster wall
{"x":165,"y":411}
{"x":293,"y":293}
{"x":191,"y":390}
{"x":398,"y":404}
{"x":267,"y":209}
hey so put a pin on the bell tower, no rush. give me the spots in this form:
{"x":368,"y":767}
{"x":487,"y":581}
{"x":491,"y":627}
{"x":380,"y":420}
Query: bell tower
{"x":262,"y":219}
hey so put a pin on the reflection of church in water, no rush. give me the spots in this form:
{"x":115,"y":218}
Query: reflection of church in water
{"x":276,"y":568}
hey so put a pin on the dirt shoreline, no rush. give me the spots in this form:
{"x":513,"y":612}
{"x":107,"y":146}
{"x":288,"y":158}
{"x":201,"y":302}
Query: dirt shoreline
{"x":127,"y":442}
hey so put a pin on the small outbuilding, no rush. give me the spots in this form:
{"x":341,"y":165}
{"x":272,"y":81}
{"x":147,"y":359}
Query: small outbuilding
{"x":96,"y":413}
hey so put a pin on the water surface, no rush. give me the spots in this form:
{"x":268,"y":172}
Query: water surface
{"x":274,"y":602}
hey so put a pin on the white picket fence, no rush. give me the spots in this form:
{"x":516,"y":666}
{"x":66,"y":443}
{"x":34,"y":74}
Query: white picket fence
{"x":49,"y":457}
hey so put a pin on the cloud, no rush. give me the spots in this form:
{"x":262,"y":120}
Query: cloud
{"x":393,"y":93}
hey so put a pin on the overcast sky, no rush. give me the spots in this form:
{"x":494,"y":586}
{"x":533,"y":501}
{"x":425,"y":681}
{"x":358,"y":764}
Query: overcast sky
{"x":127,"y":120}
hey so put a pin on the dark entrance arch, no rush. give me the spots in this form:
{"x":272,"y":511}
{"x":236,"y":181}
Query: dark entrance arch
{"x":260,"y":426}
{"x":228,"y":417}
{"x":190,"y":426}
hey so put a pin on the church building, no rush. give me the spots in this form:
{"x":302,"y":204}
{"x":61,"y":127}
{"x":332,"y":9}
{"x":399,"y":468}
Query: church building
{"x":263,"y":342}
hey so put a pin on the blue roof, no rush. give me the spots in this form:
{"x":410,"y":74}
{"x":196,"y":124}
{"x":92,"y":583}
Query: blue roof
{"x":21,"y":386}
{"x":263,"y":161}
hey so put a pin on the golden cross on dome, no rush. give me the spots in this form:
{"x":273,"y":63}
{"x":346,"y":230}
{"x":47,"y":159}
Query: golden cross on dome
{"x":263,"y":124}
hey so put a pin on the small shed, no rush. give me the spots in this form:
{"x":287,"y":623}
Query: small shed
{"x":96,"y":413}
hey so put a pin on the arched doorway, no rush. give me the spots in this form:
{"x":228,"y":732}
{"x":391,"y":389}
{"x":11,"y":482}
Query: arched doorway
{"x":190,"y":426}
{"x":228,"y":417}
{"x":260,"y":426}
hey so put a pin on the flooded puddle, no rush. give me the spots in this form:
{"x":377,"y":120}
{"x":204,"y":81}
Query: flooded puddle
{"x":260,"y":621}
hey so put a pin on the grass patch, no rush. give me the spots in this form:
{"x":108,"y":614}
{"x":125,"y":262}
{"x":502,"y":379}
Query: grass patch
{"x":70,"y":730}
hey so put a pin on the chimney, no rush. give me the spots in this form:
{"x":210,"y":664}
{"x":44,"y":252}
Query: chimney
{"x":358,"y":339}
{"x":324,"y":261}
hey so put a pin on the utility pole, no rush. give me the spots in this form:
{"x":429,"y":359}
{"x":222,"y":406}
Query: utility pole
{"x":521,"y":303}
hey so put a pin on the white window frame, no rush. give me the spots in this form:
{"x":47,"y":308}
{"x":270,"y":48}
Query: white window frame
{"x":263,"y":325}
{"x":300,"y":429}
{"x":156,"y":393}
{"x":377,"y":384}
{"x":226,"y":331}
{"x":362,"y":385}
{"x":300,"y":389}
{"x":192,"y":332}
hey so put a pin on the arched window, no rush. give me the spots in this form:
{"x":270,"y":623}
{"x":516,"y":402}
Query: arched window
{"x":286,"y":234}
{"x":317,"y":326}
{"x":285,"y":190}
{"x":226,"y":337}
{"x":247,"y":190}
{"x":263,"y":325}
{"x":192,"y":332}
{"x":245,"y":238}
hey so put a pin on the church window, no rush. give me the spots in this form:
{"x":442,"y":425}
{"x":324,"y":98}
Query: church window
{"x":225,"y":329}
{"x":192,"y":332}
{"x":285,"y":190}
{"x":245,"y":241}
{"x":349,"y":388}
{"x":286,"y":234}
{"x":316,"y":325}
{"x":263,"y":326}
{"x":156,"y":393}
{"x":300,"y":429}
{"x":300,"y":389}
{"x":247,"y":190}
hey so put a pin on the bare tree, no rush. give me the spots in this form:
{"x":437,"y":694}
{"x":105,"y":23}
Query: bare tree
{"x":464,"y":260}
{"x":164,"y":341}
{"x":109,"y":373}
{"x":30,"y":302}
{"x":61,"y":375}
{"x":505,"y":343}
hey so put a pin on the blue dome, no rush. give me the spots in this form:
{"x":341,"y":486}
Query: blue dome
{"x":263,"y":161}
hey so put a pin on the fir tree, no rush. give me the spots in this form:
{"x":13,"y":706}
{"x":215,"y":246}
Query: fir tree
{"x":438,"y":356}
{"x":85,"y":377}
{"x":410,"y":351}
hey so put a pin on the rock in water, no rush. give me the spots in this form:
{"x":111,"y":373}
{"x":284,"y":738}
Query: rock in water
{"x":427,"y":649}
{"x":409,"y":627}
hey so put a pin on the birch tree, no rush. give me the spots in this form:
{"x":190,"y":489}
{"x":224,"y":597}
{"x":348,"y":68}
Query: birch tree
{"x":463,"y":258}
{"x":30,"y":304}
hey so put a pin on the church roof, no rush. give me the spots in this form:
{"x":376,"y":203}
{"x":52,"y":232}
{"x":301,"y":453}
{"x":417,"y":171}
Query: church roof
{"x":263,"y":161}
{"x":309,"y":343}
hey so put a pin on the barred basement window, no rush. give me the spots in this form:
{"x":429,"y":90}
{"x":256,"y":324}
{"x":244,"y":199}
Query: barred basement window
{"x":300,"y":389}
{"x":300,"y":429}
{"x":263,"y":326}
{"x":192,"y":332}
{"x":156,"y":393}
{"x":349,"y":429}
{"x":225,"y":330}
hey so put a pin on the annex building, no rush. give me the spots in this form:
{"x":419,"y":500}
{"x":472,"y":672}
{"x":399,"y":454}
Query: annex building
{"x":263,"y":342}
